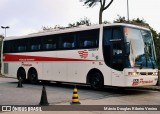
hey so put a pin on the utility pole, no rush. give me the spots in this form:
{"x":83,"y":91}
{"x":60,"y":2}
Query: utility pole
{"x":128,"y":10}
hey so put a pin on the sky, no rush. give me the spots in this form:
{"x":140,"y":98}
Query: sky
{"x":29,"y":16}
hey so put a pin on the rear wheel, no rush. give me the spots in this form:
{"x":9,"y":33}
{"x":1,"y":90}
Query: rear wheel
{"x":32,"y":76}
{"x":21,"y":74}
{"x":96,"y":80}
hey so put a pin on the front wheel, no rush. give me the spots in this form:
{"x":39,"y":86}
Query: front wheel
{"x":32,"y":76}
{"x":96,"y":81}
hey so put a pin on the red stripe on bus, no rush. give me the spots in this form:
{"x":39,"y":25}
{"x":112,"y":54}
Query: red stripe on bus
{"x":11,"y":57}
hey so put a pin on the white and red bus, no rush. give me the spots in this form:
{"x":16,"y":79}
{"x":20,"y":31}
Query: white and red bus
{"x":119,"y":54}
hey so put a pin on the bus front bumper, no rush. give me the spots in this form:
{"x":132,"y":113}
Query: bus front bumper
{"x":131,"y":81}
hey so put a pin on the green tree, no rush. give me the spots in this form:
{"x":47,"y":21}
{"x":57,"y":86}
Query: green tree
{"x":103,"y":6}
{"x":84,"y":21}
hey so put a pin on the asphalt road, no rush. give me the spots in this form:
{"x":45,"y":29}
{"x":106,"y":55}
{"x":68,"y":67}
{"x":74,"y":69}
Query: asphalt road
{"x":61,"y":94}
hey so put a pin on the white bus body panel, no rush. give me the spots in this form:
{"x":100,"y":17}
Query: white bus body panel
{"x":70,"y":66}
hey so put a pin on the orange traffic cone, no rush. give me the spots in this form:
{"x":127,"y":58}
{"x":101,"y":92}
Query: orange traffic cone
{"x":75,"y":99}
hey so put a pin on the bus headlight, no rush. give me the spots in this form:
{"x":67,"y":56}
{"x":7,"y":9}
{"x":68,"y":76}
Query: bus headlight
{"x":155,"y":73}
{"x":133,"y":73}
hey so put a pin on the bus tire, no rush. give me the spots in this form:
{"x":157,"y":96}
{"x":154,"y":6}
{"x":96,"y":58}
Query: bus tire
{"x":33,"y":76}
{"x":21,"y":74}
{"x":96,"y":81}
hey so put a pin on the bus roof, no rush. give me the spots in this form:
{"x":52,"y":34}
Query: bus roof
{"x":73,"y":29}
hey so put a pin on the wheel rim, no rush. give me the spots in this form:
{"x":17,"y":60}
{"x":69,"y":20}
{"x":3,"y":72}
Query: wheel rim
{"x":96,"y":81}
{"x":33,"y":77}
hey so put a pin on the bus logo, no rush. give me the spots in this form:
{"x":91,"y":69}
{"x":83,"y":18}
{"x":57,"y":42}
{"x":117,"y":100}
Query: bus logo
{"x":83,"y":54}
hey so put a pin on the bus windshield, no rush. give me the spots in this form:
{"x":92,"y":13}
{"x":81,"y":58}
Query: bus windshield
{"x":142,"y":51}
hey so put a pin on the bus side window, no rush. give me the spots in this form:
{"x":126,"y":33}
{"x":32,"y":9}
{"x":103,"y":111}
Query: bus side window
{"x":73,"y":44}
{"x":67,"y":45}
{"x":49,"y":46}
{"x":107,"y":36}
{"x":21,"y":48}
{"x":35,"y":47}
{"x":88,"y":43}
{"x":34,"y":44}
{"x":7,"y":47}
{"x":49,"y":42}
{"x":88,"y":39}
{"x":68,"y":41}
{"x":117,"y":33}
{"x":19,"y":45}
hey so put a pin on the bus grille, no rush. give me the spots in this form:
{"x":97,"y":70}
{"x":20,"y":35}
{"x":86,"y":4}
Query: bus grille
{"x":146,"y":73}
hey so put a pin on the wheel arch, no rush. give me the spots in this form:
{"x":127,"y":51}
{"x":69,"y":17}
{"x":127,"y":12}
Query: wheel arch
{"x":93,"y":71}
{"x":30,"y":69}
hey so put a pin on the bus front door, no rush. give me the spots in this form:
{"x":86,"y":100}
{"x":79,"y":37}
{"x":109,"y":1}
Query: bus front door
{"x":116,"y":61}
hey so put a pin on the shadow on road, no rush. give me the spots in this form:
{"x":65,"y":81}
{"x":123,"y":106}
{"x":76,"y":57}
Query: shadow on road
{"x":112,"y":90}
